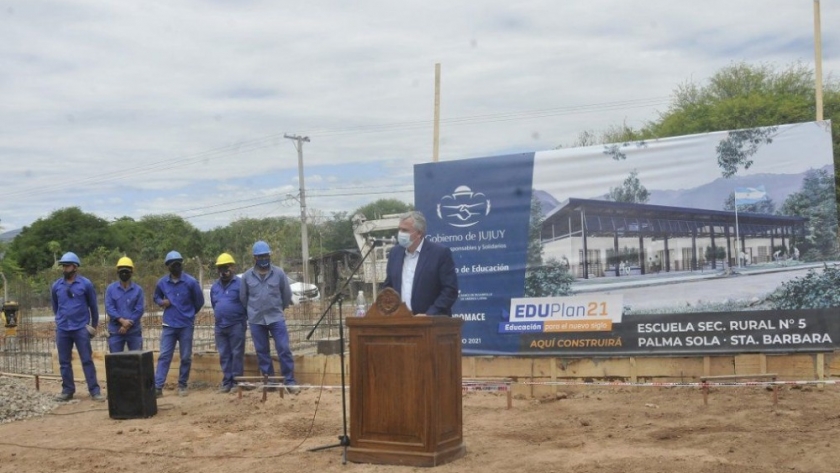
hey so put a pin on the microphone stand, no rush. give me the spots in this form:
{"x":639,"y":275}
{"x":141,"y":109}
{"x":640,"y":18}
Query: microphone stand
{"x":343,"y":440}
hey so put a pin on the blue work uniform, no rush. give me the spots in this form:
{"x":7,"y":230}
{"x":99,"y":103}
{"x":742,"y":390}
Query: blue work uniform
{"x":124,"y":303}
{"x":229,"y":329}
{"x":74,"y":305}
{"x":186,"y":298}
{"x":265,"y":297}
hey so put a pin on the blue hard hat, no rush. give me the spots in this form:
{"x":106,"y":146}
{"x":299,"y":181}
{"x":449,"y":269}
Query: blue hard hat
{"x":172,"y":256}
{"x":69,"y":258}
{"x":261,"y":248}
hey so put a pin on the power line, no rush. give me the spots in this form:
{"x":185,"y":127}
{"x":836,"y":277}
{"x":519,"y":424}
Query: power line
{"x":497,"y":117}
{"x":311,"y":196}
{"x":270,"y":140}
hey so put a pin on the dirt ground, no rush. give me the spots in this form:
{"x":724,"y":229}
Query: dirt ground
{"x":584,"y":429}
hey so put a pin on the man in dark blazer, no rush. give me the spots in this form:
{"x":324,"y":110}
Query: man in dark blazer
{"x":422,"y":272}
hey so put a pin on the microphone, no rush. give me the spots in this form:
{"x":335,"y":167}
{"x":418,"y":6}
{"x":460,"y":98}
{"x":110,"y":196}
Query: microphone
{"x":382,"y":241}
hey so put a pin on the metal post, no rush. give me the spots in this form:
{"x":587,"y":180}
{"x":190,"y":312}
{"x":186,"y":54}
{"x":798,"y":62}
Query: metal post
{"x":436,"y":145}
{"x":304,"y":237}
{"x":818,"y":60}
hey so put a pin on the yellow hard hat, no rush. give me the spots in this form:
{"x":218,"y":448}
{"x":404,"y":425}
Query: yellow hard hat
{"x":224,"y":259}
{"x":125,"y":262}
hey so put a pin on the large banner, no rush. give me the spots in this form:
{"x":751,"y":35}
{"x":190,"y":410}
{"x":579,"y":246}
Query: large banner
{"x":579,"y":251}
{"x":480,"y":210}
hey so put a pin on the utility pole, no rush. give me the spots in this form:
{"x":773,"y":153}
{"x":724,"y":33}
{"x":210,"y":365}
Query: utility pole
{"x":304,"y":244}
{"x":818,"y":60}
{"x":436,"y":137}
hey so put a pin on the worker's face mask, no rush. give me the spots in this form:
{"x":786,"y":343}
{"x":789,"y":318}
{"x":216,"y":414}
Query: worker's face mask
{"x":404,"y":239}
{"x":69,"y":271}
{"x":176,"y":268}
{"x":124,"y":274}
{"x":263,"y":261}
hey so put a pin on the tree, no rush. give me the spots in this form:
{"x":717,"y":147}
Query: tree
{"x":377,"y":209}
{"x":337,"y":233}
{"x":584,"y":138}
{"x":815,"y":201}
{"x":166,"y":232}
{"x":281,"y":233}
{"x":747,"y":97}
{"x":535,"y":247}
{"x":621,"y":134}
{"x":621,"y":137}
{"x":543,"y":279}
{"x":130,"y":237}
{"x":55,"y":249}
{"x":631,"y":191}
{"x":719,"y":253}
{"x":739,"y":146}
{"x":71,"y":228}
{"x":551,"y":279}
{"x":7,"y":265}
{"x":740,"y":97}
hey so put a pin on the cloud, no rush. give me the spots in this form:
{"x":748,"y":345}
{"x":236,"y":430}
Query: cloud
{"x":140,"y":101}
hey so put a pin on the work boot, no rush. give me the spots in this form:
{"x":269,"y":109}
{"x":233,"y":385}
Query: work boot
{"x":98,"y":397}
{"x":182,"y":391}
{"x":64,"y":397}
{"x":224,"y":390}
{"x":158,"y":392}
{"x":293,"y":389}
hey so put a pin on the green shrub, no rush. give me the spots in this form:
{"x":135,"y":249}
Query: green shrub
{"x":551,"y":279}
{"x":812,"y":291}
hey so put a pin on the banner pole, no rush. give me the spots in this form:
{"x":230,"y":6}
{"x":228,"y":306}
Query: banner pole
{"x":737,"y":236}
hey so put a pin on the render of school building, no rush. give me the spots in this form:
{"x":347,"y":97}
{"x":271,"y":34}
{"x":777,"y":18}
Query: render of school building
{"x":597,"y":238}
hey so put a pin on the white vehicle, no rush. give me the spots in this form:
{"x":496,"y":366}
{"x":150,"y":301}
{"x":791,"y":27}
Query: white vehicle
{"x":300,"y":292}
{"x":303,"y":292}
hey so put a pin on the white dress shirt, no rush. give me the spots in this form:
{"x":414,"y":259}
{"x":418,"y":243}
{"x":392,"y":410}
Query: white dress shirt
{"x":409,"y":266}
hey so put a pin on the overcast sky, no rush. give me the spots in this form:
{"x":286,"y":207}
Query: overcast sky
{"x":181,"y":106}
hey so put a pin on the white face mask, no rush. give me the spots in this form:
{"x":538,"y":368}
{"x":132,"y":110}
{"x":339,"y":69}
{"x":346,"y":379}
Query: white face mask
{"x":404,"y":239}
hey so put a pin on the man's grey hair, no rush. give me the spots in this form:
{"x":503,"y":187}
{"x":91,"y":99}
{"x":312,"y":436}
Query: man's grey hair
{"x":419,"y":220}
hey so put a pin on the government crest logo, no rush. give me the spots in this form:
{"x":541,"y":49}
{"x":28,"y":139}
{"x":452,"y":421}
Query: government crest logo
{"x":463,"y":208}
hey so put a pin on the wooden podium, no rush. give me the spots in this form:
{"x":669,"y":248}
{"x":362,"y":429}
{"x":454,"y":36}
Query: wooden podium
{"x":405,"y":386}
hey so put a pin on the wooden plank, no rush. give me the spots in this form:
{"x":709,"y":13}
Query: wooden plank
{"x":820,"y":369}
{"x":721,"y":365}
{"x":793,"y":366}
{"x":747,"y":363}
{"x":834,"y":365}
{"x":502,"y":366}
{"x":668,"y":369}
{"x":310,"y":369}
{"x":583,"y":368}
{"x":739,"y":376}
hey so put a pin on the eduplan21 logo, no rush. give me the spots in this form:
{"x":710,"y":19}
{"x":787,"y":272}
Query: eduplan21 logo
{"x":584,"y":313}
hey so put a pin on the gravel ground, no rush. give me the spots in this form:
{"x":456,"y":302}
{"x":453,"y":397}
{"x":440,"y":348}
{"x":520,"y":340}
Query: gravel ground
{"x":19,"y":400}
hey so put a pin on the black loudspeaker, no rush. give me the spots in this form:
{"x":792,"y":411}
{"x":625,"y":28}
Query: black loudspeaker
{"x":131,"y":384}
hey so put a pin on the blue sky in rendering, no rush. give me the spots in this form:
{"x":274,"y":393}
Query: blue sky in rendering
{"x":136,"y":108}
